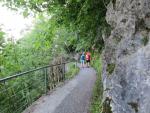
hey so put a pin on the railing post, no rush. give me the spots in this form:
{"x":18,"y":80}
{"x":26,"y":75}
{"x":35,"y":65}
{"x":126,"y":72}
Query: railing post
{"x":53,"y":78}
{"x":64,"y":71}
{"x":46,"y":78}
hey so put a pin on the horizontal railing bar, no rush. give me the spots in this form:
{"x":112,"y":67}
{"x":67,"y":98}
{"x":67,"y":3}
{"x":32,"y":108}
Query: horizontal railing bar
{"x":26,"y":72}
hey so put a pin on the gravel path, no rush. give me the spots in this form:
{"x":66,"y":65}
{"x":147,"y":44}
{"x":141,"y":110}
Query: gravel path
{"x":73,"y":97}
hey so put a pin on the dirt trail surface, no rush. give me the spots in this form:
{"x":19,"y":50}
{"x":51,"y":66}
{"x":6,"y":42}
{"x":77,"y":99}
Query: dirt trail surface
{"x":73,"y":97}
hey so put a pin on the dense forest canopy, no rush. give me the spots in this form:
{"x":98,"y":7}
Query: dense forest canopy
{"x":85,"y":17}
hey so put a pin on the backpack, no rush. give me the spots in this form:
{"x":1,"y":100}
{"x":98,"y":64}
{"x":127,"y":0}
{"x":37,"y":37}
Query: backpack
{"x":82,"y":57}
{"x":88,"y":57}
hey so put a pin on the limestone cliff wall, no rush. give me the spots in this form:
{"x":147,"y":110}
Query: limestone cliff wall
{"x":126,"y":58}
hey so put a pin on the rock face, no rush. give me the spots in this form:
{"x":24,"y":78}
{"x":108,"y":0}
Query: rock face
{"x":126,"y":58}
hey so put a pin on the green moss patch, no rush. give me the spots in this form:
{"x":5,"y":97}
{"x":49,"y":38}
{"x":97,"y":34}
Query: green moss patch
{"x":145,"y":40}
{"x":96,"y":101}
{"x":110,"y":68}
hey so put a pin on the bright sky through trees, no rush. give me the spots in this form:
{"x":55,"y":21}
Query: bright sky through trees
{"x":13,"y":23}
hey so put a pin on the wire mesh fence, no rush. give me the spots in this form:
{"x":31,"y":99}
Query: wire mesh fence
{"x":20,"y":91}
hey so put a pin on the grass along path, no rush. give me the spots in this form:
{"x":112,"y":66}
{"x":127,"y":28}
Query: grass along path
{"x":96,"y":103}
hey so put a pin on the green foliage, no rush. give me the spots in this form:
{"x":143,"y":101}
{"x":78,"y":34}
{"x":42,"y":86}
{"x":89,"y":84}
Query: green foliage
{"x":1,"y":38}
{"x":96,"y":105}
{"x":1,"y":49}
{"x":30,"y":51}
{"x":1,"y":35}
{"x":86,"y":18}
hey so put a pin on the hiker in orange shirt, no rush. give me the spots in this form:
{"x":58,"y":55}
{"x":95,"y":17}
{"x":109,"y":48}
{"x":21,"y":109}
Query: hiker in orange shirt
{"x":88,"y":58}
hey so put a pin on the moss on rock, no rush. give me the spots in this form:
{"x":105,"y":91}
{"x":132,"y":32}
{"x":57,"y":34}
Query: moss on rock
{"x":110,"y":68}
{"x":145,"y":40}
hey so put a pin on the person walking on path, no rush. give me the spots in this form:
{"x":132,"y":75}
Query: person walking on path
{"x":82,"y":59}
{"x":88,"y":58}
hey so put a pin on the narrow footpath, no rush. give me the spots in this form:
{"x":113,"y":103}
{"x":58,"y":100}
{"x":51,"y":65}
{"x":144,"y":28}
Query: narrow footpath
{"x":73,"y":97}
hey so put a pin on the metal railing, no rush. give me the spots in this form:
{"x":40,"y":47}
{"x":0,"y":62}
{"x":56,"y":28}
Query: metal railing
{"x":19,"y":91}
